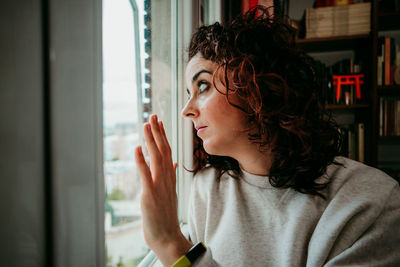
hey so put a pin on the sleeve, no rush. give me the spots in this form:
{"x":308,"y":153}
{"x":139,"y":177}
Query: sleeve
{"x":196,"y":223}
{"x":378,"y":245}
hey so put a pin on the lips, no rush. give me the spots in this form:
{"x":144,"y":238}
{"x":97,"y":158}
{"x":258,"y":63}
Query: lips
{"x":199,"y":128}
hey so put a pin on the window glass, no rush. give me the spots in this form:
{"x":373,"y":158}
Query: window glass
{"x":137,"y":77}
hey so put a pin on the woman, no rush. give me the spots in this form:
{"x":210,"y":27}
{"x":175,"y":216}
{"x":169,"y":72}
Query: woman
{"x":270,"y":188}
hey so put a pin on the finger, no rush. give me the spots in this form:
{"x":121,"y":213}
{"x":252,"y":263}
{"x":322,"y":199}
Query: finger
{"x":162,"y":128}
{"x":152,"y":148}
{"x":143,"y":169}
{"x":158,"y":135}
{"x":175,"y":165}
{"x":168,"y":152}
{"x":168,"y":147}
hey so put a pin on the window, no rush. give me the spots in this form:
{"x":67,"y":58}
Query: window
{"x":144,"y":50}
{"x":139,"y":79}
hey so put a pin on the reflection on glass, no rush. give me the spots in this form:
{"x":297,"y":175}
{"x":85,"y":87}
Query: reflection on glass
{"x":125,"y":245}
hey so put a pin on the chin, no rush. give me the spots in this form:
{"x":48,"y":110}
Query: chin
{"x":208,"y":148}
{"x":212,"y":150}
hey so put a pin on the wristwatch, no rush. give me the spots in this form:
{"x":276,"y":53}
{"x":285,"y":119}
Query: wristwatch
{"x":193,"y":254}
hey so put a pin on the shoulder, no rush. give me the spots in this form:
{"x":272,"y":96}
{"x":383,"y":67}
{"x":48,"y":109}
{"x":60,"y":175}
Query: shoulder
{"x":206,"y":183}
{"x":205,"y":178}
{"x":351,"y":171}
{"x":360,"y":216}
{"x":355,"y":180}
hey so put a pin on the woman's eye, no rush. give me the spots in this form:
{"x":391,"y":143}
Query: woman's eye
{"x":203,"y":86}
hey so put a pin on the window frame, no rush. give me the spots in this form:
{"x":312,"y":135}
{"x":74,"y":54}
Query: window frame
{"x":187,"y":19}
{"x":76,"y":125}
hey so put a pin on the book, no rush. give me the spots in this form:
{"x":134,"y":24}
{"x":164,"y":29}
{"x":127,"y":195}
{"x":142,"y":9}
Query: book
{"x":338,"y":20}
{"x":392,"y":60}
{"x":397,"y":118}
{"x":387,"y":61}
{"x":380,"y":57}
{"x":361,"y":142}
{"x":390,"y":117}
{"x":396,"y":74}
{"x":352,"y":143}
{"x":381,"y":103}
{"x":385,"y":118}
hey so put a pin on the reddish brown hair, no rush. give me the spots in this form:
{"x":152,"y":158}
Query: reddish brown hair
{"x":276,"y":82}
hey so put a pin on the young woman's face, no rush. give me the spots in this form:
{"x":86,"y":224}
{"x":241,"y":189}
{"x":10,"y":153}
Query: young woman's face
{"x":209,"y":109}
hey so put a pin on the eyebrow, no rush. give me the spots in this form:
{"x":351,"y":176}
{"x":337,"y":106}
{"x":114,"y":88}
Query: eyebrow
{"x":196,"y":76}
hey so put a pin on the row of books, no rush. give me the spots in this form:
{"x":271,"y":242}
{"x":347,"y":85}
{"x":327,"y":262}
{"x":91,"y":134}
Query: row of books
{"x":389,"y":116}
{"x":328,"y":93}
{"x":339,"y":20}
{"x":322,"y":3}
{"x":388,"y":61}
{"x":353,"y":141}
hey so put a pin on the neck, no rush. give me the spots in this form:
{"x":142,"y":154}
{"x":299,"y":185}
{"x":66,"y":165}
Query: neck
{"x":255,"y":162}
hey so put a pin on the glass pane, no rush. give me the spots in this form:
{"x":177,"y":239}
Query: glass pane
{"x":137,"y":77}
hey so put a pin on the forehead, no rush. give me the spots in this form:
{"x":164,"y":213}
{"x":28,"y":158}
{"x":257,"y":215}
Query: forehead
{"x":196,"y":64}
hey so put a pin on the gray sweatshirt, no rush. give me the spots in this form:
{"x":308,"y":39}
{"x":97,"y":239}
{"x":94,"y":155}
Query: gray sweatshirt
{"x":247,"y":222}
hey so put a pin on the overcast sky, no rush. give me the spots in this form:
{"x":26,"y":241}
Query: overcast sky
{"x":119,"y":78}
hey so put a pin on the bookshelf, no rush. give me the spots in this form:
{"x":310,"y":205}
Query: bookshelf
{"x":387,"y":23}
{"x":361,"y":46}
{"x":365,"y":48}
{"x":352,"y":106}
{"x":338,"y":42}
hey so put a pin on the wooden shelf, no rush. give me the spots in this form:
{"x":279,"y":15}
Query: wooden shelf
{"x":330,"y":106}
{"x":393,"y":90}
{"x":365,"y":49}
{"x":388,"y":21}
{"x":338,"y":42}
{"x":389,"y":138}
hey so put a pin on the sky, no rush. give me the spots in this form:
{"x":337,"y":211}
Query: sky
{"x":119,"y":77}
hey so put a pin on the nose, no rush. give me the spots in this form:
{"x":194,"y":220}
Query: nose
{"x":190,"y":110}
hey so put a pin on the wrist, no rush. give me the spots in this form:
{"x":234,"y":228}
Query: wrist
{"x":170,"y":251}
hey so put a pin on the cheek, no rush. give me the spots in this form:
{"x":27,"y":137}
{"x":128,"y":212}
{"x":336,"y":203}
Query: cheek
{"x":228,"y":115}
{"x":228,"y":111}
{"x":211,"y":106}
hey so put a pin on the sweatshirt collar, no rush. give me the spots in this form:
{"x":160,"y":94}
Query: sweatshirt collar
{"x":256,"y":180}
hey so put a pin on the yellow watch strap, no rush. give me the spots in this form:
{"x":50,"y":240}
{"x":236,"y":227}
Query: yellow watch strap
{"x":191,"y":256}
{"x":182,"y":262}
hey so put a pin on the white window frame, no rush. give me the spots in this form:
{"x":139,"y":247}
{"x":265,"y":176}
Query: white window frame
{"x":186,"y":20}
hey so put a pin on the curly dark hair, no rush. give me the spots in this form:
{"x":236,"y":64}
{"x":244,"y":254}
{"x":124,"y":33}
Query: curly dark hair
{"x":276,"y":82}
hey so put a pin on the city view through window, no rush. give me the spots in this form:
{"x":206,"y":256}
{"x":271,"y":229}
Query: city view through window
{"x":125,"y":245}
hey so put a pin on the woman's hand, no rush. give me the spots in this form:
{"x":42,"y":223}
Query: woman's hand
{"x":159,"y":201}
